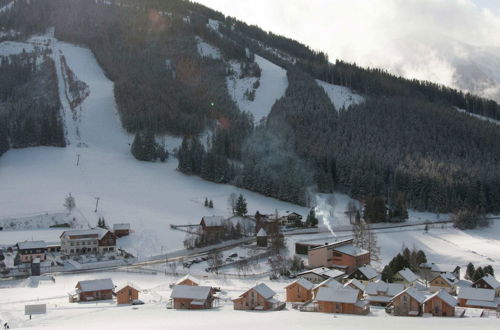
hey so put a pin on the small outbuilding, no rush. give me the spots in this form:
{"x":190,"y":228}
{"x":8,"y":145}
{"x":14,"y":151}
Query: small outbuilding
{"x":262,"y":238}
{"x":127,"y":294}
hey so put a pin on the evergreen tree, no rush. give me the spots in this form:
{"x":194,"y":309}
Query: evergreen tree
{"x":241,"y":206}
{"x":469,"y":273}
{"x":478,"y":274}
{"x":375,"y":209}
{"x":206,"y":202}
{"x":387,"y":274}
{"x":211,"y":204}
{"x":312,"y":220}
{"x":488,"y":270}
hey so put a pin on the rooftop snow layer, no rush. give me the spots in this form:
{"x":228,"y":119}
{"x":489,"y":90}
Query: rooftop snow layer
{"x":96,"y":285}
{"x":348,"y":296}
{"x":190,"y":292}
{"x":476,"y":294}
{"x":351,"y":250}
{"x":445,"y":296}
{"x":264,"y":291}
{"x":408,"y":275}
{"x":31,"y":245}
{"x":368,"y":271}
{"x":383,"y":288}
{"x":303,"y":283}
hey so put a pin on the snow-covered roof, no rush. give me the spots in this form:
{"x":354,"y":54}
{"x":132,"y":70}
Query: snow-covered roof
{"x":444,"y":296}
{"x":74,"y":234}
{"x":408,"y":275}
{"x":351,"y":250}
{"x":190,"y":292}
{"x":348,"y":296}
{"x":448,"y":278}
{"x":440,"y":267}
{"x":303,"y":283}
{"x":464,"y":284}
{"x":329,"y":283}
{"x":128,"y":284}
{"x":418,"y":296}
{"x":476,"y":294}
{"x":213,"y":220}
{"x":355,"y":283}
{"x":380,"y":299}
{"x":368,"y":272}
{"x":28,"y":245}
{"x":323,"y":271}
{"x":261,"y":233}
{"x":187,"y":277}
{"x":264,"y":291}
{"x":121,"y":226}
{"x":383,"y":288}
{"x":481,"y":303}
{"x":491,"y":281}
{"x":96,"y":285}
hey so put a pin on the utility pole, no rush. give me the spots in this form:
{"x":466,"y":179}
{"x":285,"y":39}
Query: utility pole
{"x":78,"y":160}
{"x":96,"y":203}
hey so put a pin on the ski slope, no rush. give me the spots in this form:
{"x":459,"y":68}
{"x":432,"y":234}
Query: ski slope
{"x":273,"y":85}
{"x":341,"y":97}
{"x":150,"y":196}
{"x":484,"y":118}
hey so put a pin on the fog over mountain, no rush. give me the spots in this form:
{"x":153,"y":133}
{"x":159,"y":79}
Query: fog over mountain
{"x":455,"y":43}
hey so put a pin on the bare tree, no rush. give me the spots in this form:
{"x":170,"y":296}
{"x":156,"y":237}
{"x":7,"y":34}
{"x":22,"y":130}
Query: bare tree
{"x":233,"y":198}
{"x":351,"y":210}
{"x":173,"y":267}
{"x":69,"y":203}
{"x":215,"y":260}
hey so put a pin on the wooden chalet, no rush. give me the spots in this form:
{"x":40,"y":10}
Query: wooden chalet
{"x":477,"y":298}
{"x":488,"y":282}
{"x":446,"y":281}
{"x":260,"y":297}
{"x":127,"y":294}
{"x":92,"y":290}
{"x":408,"y":303}
{"x":440,"y":303}
{"x":320,"y":274}
{"x":213,"y":226}
{"x":341,"y":255}
{"x":192,"y":297}
{"x":121,"y":229}
{"x":299,"y":291}
{"x":406,"y":277}
{"x":329,"y":283}
{"x":340,"y":300}
{"x":381,"y":293}
{"x":188,"y":280}
{"x":365,"y":274}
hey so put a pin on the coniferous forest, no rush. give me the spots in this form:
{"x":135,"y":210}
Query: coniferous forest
{"x":406,"y":143}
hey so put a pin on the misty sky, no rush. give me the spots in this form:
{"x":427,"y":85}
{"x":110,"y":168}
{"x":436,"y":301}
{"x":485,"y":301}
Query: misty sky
{"x":379,"y":32}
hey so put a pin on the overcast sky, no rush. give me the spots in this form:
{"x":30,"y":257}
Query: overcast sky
{"x":374,"y":32}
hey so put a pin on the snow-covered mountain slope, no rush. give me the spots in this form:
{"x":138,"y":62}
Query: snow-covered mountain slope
{"x":150,"y":196}
{"x":8,"y":48}
{"x":496,"y":122}
{"x":273,"y":83}
{"x":7,"y":6}
{"x":341,"y":97}
{"x":207,"y":50}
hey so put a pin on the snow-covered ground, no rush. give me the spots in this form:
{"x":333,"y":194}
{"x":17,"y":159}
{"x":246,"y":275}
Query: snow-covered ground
{"x":8,"y":48}
{"x":207,"y":50}
{"x":491,"y":120}
{"x":273,"y":85}
{"x":341,"y":97}
{"x":7,"y":6}
{"x":150,"y":196}
{"x":155,"y":292}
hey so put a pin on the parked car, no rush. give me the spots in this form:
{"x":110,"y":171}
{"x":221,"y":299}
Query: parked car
{"x":234,"y":255}
{"x":137,"y":302}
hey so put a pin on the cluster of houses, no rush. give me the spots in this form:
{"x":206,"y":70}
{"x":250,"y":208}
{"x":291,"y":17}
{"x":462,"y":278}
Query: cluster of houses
{"x":104,"y":289}
{"x":74,"y":242}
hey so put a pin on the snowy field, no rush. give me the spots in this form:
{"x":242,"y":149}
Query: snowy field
{"x":341,"y":97}
{"x":155,"y":292}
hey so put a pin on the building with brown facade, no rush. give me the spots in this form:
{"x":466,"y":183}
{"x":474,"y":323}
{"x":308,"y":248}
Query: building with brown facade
{"x":408,"y":303}
{"x":188,"y":280}
{"x":488,"y":282}
{"x":95,"y":290}
{"x":31,"y":250}
{"x":440,"y":303}
{"x":127,"y":294}
{"x":192,"y":297}
{"x":260,"y":297}
{"x":341,"y":255}
{"x":121,"y":229}
{"x":444,"y":281}
{"x":86,"y":241}
{"x":341,"y":300}
{"x":299,"y":291}
{"x":477,"y":298}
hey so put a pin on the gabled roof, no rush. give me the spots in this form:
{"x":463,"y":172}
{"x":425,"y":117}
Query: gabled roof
{"x":97,"y":232}
{"x":323,"y":271}
{"x":261,"y":233}
{"x":348,"y":296}
{"x":419,"y":297}
{"x":121,"y":226}
{"x":129,"y":284}
{"x":96,"y":285}
{"x":383,"y":288}
{"x":187,"y":277}
{"x":440,"y":267}
{"x":28,"y":245}
{"x":491,"y":281}
{"x":356,"y":283}
{"x":476,"y":294}
{"x":190,"y":292}
{"x":444,"y":296}
{"x":329,"y":283}
{"x":264,"y":291}
{"x":213,"y":220}
{"x":368,"y":272}
{"x":334,"y":244}
{"x":303,"y":283}
{"x":351,"y":250}
{"x":448,"y":278}
{"x":408,"y":275}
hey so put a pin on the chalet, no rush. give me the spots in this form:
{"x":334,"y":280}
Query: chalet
{"x":127,"y":294}
{"x":83,"y":241}
{"x":30,"y":250}
{"x":342,"y":255}
{"x":355,"y":284}
{"x":290,"y":219}
{"x":431,"y":270}
{"x":488,"y":282}
{"x":477,"y":298}
{"x":188,"y":280}
{"x":320,"y":274}
{"x":344,"y":301}
{"x":262,"y":238}
{"x":213,"y":226}
{"x":408,"y":303}
{"x":365,"y":274}
{"x":381,"y":293}
{"x":446,"y":281}
{"x":95,"y":290}
{"x":260,"y":297}
{"x":299,"y":291}
{"x":440,"y":303}
{"x":329,"y":283}
{"x":121,"y":229}
{"x":406,"y":277}
{"x":192,"y":297}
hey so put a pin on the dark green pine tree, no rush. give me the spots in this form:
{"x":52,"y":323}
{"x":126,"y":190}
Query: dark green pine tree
{"x":137,"y":147}
{"x":206,"y":202}
{"x":241,"y":206}
{"x":210,"y":204}
{"x":387,"y":274}
{"x":312,"y":220}
{"x":469,"y":272}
